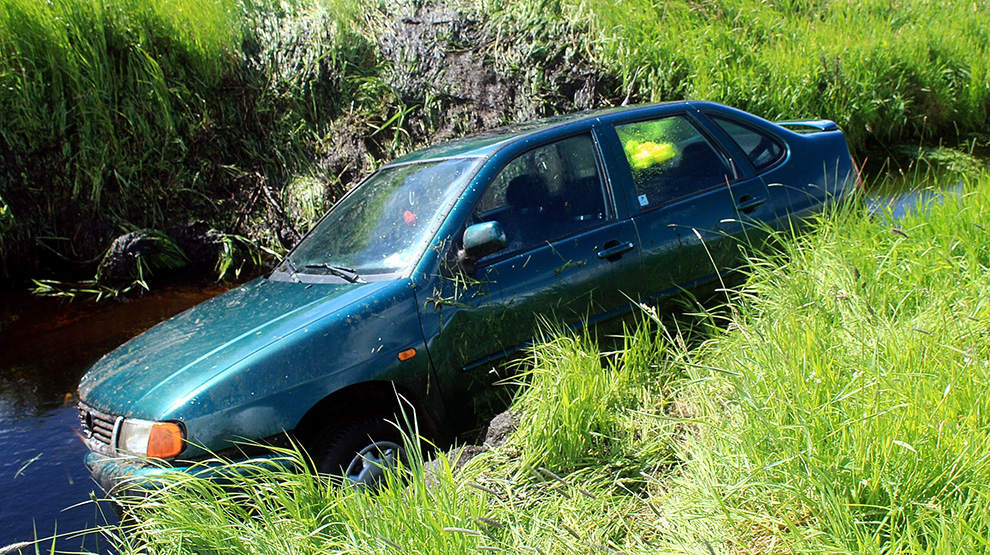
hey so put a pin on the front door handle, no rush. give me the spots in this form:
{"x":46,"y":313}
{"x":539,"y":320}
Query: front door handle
{"x":614,"y":250}
{"x":747,"y":203}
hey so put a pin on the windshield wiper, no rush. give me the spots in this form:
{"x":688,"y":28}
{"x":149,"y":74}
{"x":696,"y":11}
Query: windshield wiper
{"x":292,"y":269}
{"x":348,"y":274}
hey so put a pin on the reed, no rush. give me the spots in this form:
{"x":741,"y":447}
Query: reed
{"x":135,"y":114}
{"x":857,"y":369}
{"x":837,"y":403}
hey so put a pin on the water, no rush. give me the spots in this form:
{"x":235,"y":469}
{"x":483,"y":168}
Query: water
{"x":46,"y":345}
{"x":897,"y":205}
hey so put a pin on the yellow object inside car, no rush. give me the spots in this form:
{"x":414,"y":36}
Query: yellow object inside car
{"x":646,"y":154}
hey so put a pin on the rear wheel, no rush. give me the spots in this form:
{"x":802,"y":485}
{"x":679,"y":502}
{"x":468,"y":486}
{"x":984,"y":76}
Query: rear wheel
{"x":360,"y":450}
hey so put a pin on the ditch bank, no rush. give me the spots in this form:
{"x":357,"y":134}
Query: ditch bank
{"x":310,"y":104}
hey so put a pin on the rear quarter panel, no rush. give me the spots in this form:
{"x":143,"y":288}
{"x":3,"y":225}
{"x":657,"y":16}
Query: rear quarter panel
{"x":818,"y":170}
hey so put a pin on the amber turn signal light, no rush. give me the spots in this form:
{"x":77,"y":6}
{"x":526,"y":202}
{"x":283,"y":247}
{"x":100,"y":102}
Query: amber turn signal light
{"x":165,"y":440}
{"x":407,"y":354}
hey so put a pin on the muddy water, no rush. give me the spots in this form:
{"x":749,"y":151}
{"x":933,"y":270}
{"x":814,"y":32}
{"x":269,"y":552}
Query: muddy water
{"x":45,"y":347}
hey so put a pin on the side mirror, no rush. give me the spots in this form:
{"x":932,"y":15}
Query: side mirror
{"x":481,"y":240}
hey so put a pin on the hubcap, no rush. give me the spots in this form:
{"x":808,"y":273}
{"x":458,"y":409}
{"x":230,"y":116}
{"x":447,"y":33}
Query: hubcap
{"x":369,"y":466}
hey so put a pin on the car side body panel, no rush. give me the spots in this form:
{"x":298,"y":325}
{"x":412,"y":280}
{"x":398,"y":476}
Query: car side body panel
{"x":626,"y":207}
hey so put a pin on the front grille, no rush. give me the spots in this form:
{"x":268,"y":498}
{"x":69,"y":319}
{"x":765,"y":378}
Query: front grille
{"x":99,"y":428}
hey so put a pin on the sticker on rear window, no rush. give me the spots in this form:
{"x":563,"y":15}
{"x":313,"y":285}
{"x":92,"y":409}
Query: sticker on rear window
{"x":643,"y":201}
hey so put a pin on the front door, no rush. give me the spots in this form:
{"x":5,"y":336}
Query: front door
{"x":564,"y":248}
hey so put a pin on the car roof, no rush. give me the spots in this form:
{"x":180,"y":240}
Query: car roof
{"x":485,"y":143}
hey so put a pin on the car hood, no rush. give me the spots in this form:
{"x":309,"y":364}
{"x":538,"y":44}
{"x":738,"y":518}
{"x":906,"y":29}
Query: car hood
{"x":146,"y":376}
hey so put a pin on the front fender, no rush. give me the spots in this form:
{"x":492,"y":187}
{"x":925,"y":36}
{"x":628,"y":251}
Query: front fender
{"x":269,"y":392}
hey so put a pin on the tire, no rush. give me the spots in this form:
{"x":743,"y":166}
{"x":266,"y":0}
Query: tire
{"x":360,"y":451}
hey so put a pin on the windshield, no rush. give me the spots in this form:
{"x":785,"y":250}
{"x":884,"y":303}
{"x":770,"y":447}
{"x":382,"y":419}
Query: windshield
{"x":383,"y":225}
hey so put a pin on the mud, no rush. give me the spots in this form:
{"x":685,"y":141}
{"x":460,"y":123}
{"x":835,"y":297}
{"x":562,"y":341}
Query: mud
{"x":444,"y":69}
{"x":447,"y":61}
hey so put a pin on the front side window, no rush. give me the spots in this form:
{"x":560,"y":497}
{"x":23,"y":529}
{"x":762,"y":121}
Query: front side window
{"x":670,"y":159}
{"x":383,"y":225}
{"x":546,"y":193}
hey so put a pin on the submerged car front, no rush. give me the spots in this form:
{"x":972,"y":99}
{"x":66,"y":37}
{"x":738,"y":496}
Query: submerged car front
{"x":252,"y":364}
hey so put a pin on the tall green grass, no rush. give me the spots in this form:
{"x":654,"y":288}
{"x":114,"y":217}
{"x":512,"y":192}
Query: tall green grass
{"x":838,"y":405}
{"x":859,"y":374}
{"x":100,"y":84}
{"x":888,"y":72}
{"x":270,"y":510}
{"x":574,"y":405}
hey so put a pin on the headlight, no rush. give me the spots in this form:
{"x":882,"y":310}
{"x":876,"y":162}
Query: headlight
{"x":160,"y":440}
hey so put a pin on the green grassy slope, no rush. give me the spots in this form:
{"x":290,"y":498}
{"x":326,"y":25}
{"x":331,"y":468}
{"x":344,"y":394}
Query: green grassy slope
{"x":253,"y":115}
{"x":837,"y":404}
{"x":858,"y":368}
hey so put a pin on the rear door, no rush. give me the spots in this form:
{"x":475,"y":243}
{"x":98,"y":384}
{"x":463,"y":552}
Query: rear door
{"x":801,"y":170}
{"x":692,"y":205}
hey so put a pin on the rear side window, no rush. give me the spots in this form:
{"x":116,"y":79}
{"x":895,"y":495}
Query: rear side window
{"x":670,"y":160}
{"x":762,"y":150}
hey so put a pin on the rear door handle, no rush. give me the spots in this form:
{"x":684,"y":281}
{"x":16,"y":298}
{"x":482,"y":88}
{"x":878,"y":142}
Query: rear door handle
{"x":747,"y":203}
{"x":614,"y":250}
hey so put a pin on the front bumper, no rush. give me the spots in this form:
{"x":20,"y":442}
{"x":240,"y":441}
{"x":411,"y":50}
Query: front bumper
{"x":121,"y":477}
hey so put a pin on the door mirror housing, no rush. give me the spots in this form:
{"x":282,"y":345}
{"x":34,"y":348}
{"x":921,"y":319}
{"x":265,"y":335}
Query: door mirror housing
{"x":480,"y":240}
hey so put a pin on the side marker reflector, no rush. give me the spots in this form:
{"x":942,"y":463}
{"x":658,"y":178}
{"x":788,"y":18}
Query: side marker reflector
{"x":407,"y":354}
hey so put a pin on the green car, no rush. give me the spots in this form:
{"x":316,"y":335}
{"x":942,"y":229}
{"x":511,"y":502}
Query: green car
{"x":438,"y":266}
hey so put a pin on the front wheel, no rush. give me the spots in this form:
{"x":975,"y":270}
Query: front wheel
{"x":360,"y":450}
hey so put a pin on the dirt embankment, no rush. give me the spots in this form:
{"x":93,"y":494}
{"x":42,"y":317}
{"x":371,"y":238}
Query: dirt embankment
{"x":262,"y":167}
